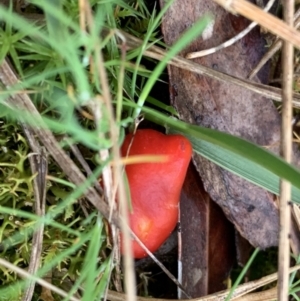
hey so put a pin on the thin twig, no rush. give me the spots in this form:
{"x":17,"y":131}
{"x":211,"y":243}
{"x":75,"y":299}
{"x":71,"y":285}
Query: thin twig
{"x":166,"y":271}
{"x":179,"y":256}
{"x":76,"y":152}
{"x":286,"y":152}
{"x":39,"y":166}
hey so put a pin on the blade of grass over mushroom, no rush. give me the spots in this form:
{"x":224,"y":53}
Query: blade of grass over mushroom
{"x":186,"y":38}
{"x":142,"y":159}
{"x":235,"y":154}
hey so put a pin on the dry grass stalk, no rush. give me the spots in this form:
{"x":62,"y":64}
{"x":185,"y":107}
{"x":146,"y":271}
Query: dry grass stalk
{"x":286,"y":152}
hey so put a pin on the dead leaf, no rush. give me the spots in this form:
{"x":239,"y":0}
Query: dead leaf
{"x":229,"y":108}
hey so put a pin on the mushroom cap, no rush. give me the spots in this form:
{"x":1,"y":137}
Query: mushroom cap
{"x":155,"y":187}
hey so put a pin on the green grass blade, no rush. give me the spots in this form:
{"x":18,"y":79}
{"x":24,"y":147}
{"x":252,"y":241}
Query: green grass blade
{"x":242,"y":274}
{"x":235,"y":154}
{"x":91,"y":262}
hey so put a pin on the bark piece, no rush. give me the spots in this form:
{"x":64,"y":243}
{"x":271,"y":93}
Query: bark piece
{"x":222,"y":255}
{"x":226,"y":107}
{"x":208,"y":249}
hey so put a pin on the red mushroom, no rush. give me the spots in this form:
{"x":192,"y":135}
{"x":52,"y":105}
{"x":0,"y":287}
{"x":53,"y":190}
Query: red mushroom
{"x":155,"y":187}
